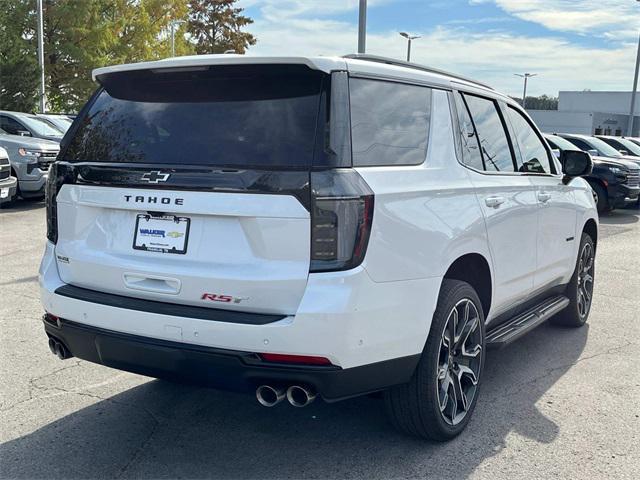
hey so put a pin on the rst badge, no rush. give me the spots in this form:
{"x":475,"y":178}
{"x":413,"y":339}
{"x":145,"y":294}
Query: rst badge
{"x":216,"y":297}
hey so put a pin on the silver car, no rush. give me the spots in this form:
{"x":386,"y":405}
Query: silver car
{"x":30,"y":160}
{"x":61,"y":122}
{"x":8,"y":184}
{"x":28,"y":125}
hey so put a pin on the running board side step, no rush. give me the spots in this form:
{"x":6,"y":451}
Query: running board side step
{"x":510,"y":331}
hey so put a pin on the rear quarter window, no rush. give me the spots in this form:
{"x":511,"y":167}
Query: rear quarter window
{"x":389,"y":122}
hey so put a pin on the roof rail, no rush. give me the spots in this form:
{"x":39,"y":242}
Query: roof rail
{"x":416,"y":66}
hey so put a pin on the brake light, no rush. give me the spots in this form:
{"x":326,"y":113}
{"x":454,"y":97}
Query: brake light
{"x":59,"y":174}
{"x":300,"y":359}
{"x":341,"y":218}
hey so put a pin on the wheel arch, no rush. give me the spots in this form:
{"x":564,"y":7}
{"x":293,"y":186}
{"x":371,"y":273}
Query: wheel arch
{"x":474,"y":269}
{"x":591,"y":229}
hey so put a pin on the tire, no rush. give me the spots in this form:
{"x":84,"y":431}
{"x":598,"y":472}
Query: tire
{"x":602,"y":203}
{"x":414,"y":407}
{"x":580,"y":287}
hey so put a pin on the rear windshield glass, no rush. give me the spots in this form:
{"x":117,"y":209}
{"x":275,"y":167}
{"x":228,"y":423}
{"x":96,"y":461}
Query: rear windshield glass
{"x":237,"y":116}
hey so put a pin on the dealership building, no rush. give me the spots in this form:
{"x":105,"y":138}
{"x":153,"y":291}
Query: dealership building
{"x":591,"y":113}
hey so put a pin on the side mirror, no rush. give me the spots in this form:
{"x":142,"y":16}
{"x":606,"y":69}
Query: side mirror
{"x":24,"y":133}
{"x":556,"y":152}
{"x":575,"y":163}
{"x":623,"y":152}
{"x":593,"y":152}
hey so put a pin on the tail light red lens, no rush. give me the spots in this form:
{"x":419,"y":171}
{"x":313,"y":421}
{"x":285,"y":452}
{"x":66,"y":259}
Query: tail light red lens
{"x":341,"y":218}
{"x":299,"y":359}
{"x":51,"y":190}
{"x":59,"y":174}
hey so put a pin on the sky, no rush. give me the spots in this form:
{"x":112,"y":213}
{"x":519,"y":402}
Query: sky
{"x":569,"y":44}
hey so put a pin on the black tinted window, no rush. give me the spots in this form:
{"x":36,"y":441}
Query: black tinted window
{"x":534,"y":157}
{"x":493,"y":140}
{"x":11,"y":126}
{"x":262,"y":116}
{"x":581,"y":144}
{"x":389,"y":122}
{"x":471,"y":155}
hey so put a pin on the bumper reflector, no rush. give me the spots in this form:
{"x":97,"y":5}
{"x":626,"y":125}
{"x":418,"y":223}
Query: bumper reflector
{"x":299,"y":359}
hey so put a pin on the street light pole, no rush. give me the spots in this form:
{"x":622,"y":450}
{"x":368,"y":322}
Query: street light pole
{"x":409,"y":38}
{"x":173,"y":24}
{"x":362,"y":26}
{"x":526,"y":77}
{"x":42,"y":94}
{"x":633,"y":92}
{"x":173,"y":40}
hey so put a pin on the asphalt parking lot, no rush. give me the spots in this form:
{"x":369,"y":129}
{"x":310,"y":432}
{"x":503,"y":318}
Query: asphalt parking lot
{"x":560,"y":403}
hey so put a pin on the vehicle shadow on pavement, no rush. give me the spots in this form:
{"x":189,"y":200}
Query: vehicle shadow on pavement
{"x":20,"y":205}
{"x":621,"y":217}
{"x":162,"y":430}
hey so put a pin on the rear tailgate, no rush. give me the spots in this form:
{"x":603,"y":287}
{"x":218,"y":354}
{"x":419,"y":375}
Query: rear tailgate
{"x":247,"y":252}
{"x":191,"y":186}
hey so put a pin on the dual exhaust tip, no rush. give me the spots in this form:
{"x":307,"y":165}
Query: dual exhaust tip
{"x":58,"y":348}
{"x":296,"y":395}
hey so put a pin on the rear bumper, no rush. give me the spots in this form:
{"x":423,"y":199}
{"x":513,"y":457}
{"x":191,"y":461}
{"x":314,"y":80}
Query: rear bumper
{"x":223,"y":369}
{"x":343,"y":316}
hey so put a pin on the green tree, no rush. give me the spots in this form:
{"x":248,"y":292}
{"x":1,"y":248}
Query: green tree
{"x":80,"y":35}
{"x":18,"y":64}
{"x":216,"y":26}
{"x":543,"y":102}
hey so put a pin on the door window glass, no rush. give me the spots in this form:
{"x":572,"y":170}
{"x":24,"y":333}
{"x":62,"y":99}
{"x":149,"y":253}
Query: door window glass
{"x":11,"y":126}
{"x":491,"y":133}
{"x":534,"y":155}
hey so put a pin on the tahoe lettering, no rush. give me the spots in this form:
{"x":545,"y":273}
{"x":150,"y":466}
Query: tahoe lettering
{"x":156,"y":200}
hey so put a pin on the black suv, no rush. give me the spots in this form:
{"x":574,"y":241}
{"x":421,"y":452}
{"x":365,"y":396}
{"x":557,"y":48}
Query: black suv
{"x":615,"y":181}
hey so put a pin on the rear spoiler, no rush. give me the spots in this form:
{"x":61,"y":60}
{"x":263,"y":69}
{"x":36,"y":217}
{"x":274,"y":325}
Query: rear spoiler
{"x":197,"y":62}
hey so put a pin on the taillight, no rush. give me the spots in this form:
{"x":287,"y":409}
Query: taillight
{"x":341,"y":217}
{"x":59,"y":174}
{"x":51,"y":191}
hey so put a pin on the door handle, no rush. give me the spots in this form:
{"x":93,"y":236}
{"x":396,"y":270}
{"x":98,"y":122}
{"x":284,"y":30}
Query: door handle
{"x":544,"y":197}
{"x":152,"y":283}
{"x":494,"y":201}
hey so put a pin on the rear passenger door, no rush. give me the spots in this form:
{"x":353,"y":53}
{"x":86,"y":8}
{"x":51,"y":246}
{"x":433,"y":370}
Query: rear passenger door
{"x":556,"y":203}
{"x":507,"y":198}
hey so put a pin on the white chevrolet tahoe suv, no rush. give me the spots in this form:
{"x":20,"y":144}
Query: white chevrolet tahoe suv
{"x":297,"y":227}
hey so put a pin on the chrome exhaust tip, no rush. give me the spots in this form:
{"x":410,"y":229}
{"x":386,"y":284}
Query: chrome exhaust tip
{"x":59,"y":349}
{"x":269,"y":396}
{"x":52,"y":346}
{"x":300,"y":396}
{"x":62,"y":352}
